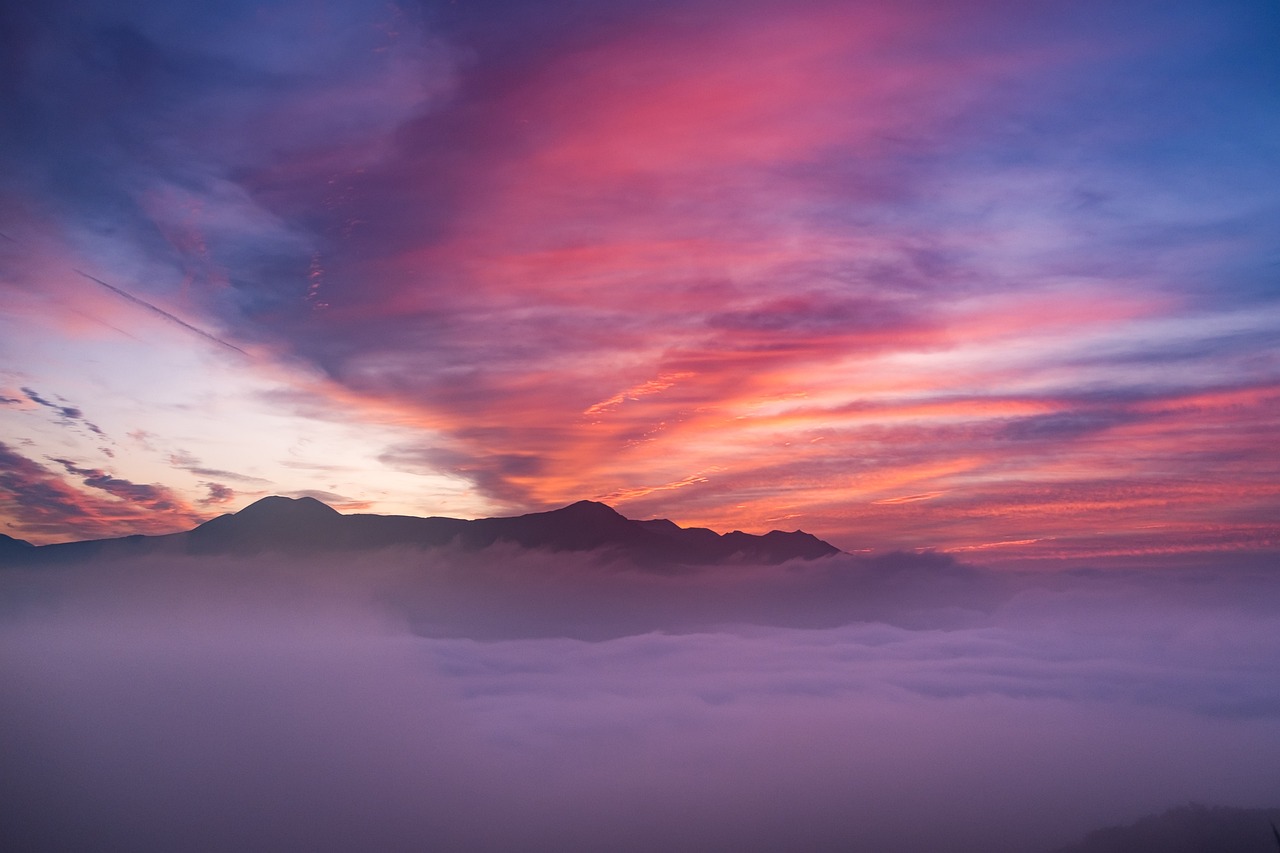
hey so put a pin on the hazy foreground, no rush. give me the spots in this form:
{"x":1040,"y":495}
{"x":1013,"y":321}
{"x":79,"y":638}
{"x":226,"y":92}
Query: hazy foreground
{"x":511,"y":700}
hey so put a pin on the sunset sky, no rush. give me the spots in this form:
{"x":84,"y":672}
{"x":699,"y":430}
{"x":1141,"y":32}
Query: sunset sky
{"x":995,"y":278}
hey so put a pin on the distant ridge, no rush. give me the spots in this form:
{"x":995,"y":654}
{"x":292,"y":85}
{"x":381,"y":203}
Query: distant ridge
{"x":308,"y":526}
{"x":10,"y":547}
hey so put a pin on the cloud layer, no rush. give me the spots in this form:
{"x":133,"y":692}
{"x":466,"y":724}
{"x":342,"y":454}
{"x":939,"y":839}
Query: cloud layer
{"x":261,"y":705}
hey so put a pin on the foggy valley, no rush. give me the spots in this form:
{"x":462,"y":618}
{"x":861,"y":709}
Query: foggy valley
{"x":516,"y":699}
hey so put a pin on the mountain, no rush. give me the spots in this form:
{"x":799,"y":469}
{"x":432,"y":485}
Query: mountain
{"x":307,"y":526}
{"x":15,"y":548}
{"x":1189,"y":829}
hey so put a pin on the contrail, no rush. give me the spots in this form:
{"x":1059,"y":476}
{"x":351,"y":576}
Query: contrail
{"x":165,"y":314}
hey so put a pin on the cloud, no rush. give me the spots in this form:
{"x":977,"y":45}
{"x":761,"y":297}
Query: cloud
{"x":218,"y":494}
{"x":1064,"y":425}
{"x":46,"y":507}
{"x":187,"y":462}
{"x":36,"y":496}
{"x":500,"y":476}
{"x":153,"y":497}
{"x":72,"y":416}
{"x":164,"y":314}
{"x":342,"y":503}
{"x":496,"y":594}
{"x":68,"y":414}
{"x":66,"y":411}
{"x":257,"y":704}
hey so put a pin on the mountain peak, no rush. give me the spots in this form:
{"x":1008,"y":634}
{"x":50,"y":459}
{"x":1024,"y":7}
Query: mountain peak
{"x":7,"y":541}
{"x":274,"y":521}
{"x":277,"y":507}
{"x":589,"y":509}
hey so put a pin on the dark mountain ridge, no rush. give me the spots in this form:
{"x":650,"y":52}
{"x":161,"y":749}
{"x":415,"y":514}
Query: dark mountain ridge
{"x":308,"y":526}
{"x":15,"y":548}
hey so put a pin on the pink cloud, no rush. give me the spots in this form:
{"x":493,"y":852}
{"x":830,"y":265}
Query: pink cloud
{"x":42,"y":506}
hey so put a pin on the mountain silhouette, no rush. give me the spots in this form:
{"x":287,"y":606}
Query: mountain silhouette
{"x":307,"y":526}
{"x":1191,"y":828}
{"x":15,"y":548}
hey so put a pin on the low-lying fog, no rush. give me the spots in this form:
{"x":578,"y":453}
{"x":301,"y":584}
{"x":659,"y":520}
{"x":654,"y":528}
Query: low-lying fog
{"x":519,"y":701}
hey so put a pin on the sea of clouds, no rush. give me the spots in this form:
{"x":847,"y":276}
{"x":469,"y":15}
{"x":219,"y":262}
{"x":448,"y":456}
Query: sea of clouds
{"x":506,"y":700}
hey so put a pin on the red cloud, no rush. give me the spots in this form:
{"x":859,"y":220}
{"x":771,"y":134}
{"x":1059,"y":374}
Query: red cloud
{"x":44,"y":507}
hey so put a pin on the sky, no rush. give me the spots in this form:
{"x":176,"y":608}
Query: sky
{"x":992,"y":278}
{"x":393,"y":703}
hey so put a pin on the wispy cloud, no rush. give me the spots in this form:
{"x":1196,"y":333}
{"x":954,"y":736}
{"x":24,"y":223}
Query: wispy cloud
{"x":187,"y":462}
{"x":218,"y":494}
{"x":153,"y":497}
{"x":160,"y":312}
{"x":68,"y":414}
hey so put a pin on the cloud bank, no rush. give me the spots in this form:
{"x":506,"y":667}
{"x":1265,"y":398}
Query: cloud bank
{"x":515,"y":700}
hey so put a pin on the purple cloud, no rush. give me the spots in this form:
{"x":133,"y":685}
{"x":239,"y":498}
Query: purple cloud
{"x":265,"y":704}
{"x":153,"y":497}
{"x":45,"y":506}
{"x":68,"y":412}
{"x":218,"y":494}
{"x":187,"y":462}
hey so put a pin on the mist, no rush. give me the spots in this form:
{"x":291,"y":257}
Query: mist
{"x":506,"y":700}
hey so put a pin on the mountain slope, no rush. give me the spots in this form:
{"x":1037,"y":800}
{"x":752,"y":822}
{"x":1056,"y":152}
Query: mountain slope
{"x":15,"y":548}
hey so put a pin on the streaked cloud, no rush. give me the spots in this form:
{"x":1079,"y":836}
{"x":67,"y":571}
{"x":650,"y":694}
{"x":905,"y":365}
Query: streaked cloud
{"x":42,"y":502}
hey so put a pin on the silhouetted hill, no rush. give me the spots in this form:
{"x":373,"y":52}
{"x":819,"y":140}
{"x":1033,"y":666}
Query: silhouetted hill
{"x":1188,"y":829}
{"x":273,"y":523}
{"x":15,"y":547}
{"x":307,"y":526}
